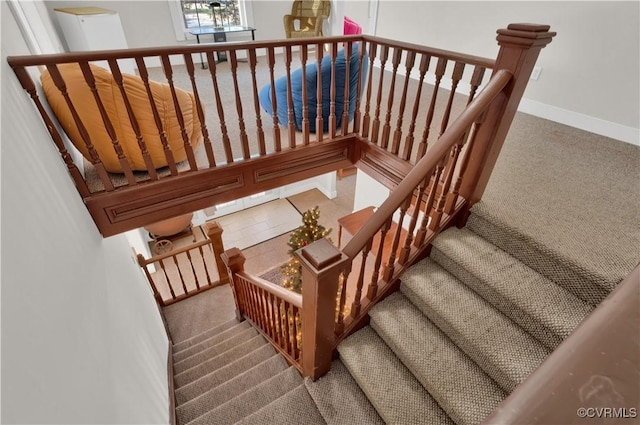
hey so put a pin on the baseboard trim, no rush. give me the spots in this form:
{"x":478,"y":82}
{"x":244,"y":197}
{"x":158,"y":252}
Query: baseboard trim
{"x":583,"y":122}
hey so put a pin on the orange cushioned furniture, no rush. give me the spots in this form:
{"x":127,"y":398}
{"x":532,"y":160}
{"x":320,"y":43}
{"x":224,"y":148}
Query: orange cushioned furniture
{"x":87,"y":108}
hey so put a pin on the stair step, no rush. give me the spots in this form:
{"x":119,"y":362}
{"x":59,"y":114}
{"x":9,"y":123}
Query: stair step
{"x":201,"y":356}
{"x":395,"y":393}
{"x":545,"y":310}
{"x":252,"y":400}
{"x":230,"y":389}
{"x":504,"y":350}
{"x":580,"y":274}
{"x":294,"y":408}
{"x":339,"y":398}
{"x":463,"y":390}
{"x":211,"y":338}
{"x":220,"y":376}
{"x":221,"y":360}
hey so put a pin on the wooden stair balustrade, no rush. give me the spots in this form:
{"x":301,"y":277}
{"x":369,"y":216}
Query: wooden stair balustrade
{"x":187,"y":271}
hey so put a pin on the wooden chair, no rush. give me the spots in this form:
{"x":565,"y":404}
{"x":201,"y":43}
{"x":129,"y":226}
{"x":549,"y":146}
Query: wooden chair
{"x":310,"y":15}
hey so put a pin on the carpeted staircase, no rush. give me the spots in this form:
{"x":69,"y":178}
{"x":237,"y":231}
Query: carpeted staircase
{"x":468,"y":325}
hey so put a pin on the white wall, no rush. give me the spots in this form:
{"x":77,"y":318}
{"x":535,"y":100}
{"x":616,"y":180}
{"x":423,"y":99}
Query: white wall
{"x":82,"y":340}
{"x":590,"y":70}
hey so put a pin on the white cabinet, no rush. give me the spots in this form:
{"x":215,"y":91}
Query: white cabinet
{"x":94,"y":28}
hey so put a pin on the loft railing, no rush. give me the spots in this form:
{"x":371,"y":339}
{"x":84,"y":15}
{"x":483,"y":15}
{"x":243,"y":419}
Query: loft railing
{"x":177,"y":136}
{"x":427,"y":125}
{"x":186,"y":271}
{"x":448,"y":178}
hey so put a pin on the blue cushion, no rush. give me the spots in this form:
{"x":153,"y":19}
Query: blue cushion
{"x":312,"y":78}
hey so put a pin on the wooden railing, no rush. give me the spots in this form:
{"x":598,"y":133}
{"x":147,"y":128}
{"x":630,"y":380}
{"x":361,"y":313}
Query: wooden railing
{"x":273,"y":310}
{"x":428,"y":126}
{"x":219,"y":144}
{"x":187,"y":271}
{"x":449,"y":176}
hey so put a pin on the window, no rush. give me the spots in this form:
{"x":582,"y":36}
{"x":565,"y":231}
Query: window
{"x":189,"y":14}
{"x":205,"y":13}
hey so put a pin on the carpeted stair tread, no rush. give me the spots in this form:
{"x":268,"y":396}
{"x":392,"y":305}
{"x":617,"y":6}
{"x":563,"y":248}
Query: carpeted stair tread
{"x":221,"y":360}
{"x":230,"y":389}
{"x":252,"y":400}
{"x":504,"y":350}
{"x":220,"y":376}
{"x":238,"y":338}
{"x":461,"y":388}
{"x":395,"y":393}
{"x":545,"y":310}
{"x":217,"y":334}
{"x":340,"y":400}
{"x":294,"y":408}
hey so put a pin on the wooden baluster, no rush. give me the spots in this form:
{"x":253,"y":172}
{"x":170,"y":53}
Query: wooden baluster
{"x":348,"y":51}
{"x":440,"y":68}
{"x":296,"y":346}
{"x":148,"y":162}
{"x":271,"y":60}
{"x":214,"y":231}
{"x":322,"y":264}
{"x":117,"y":147}
{"x":144,"y":75}
{"x":287,"y":327}
{"x":476,"y":80}
{"x":319,"y":117}
{"x":184,"y":285}
{"x":397,"y":134}
{"x":452,"y":199}
{"x":384,"y":54}
{"x":193,"y":270}
{"x":188,"y":60}
{"x":456,"y":76}
{"x":256,"y":102}
{"x":408,"y":144}
{"x":373,"y":286}
{"x":255,"y":307}
{"x":30,"y":88}
{"x":422,"y":232}
{"x":332,"y":91}
{"x":234,"y":260}
{"x":454,"y":152}
{"x":166,"y":277}
{"x":142,"y":262}
{"x":390,"y":266}
{"x":386,"y":129}
{"x":356,"y":304}
{"x":275,"y":312}
{"x":226,"y":143}
{"x":357,"y":118}
{"x":304,"y":56}
{"x":291,"y":124}
{"x":168,"y":72}
{"x":343,"y":299}
{"x":272,"y":317}
{"x":204,"y":262}
{"x":57,"y":79}
{"x":243,"y":131}
{"x":406,"y":249}
{"x":365,"y":121}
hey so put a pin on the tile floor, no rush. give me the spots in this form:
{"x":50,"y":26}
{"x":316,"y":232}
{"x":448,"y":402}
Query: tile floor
{"x":273,"y":252}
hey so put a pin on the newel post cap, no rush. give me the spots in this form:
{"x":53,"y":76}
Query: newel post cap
{"x":525,"y":35}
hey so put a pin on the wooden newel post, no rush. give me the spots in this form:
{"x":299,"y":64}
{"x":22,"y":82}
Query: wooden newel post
{"x":322,"y":264}
{"x":520,"y":45}
{"x":234,"y":262}
{"x":214,"y":232}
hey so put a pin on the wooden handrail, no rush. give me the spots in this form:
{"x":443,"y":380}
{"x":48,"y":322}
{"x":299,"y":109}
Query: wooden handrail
{"x":291,"y":297}
{"x":175,"y":252}
{"x":425,"y":166}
